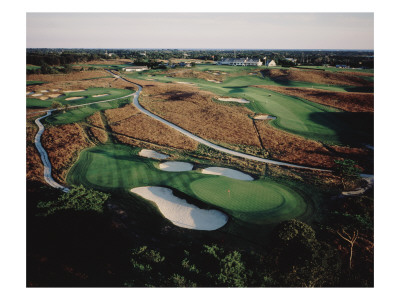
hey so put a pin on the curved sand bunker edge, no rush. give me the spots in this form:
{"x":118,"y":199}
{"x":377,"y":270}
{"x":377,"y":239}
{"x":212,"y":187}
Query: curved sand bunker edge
{"x":100,"y":95}
{"x":264,"y":117}
{"x":231,"y":173}
{"x":152,"y":154}
{"x":238,"y":100}
{"x":179,"y":211}
{"x":175,"y":166}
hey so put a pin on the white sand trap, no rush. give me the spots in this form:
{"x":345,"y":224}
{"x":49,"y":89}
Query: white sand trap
{"x":75,"y":98}
{"x":55,"y":90}
{"x":182,"y":82}
{"x":74,"y":91}
{"x":234,"y":100}
{"x":152,"y":154}
{"x":176,"y":166}
{"x":264,"y":117}
{"x":44,"y":91}
{"x":37,"y":95}
{"x":179,"y":212}
{"x":101,"y":95}
{"x":44,"y":97}
{"x":227,"y":172}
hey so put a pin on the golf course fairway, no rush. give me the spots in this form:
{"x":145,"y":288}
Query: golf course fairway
{"x":118,"y":167}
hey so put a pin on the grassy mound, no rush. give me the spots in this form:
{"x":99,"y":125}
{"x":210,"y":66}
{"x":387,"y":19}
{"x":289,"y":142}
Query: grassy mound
{"x":117,"y":167}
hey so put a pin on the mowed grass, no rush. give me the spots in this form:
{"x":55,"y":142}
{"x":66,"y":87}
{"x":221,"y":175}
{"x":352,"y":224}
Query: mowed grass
{"x":294,"y":115}
{"x":117,"y":167}
{"x":88,"y":97}
{"x":80,"y":113}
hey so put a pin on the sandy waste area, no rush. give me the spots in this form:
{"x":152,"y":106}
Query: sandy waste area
{"x":227,"y":173}
{"x":234,"y":100}
{"x":74,"y":98}
{"x":179,"y":212}
{"x":264,"y":117}
{"x":152,"y":154}
{"x":175,"y":166}
{"x":74,"y":91}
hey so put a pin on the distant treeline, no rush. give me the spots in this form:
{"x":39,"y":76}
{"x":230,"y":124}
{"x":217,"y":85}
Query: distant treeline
{"x":351,"y":58}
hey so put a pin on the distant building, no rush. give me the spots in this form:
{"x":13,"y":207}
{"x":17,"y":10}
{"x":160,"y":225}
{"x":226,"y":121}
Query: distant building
{"x":270,"y":63}
{"x":135,"y":69}
{"x":240,"y":62}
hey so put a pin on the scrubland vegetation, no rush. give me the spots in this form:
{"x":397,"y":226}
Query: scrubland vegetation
{"x":288,"y":228}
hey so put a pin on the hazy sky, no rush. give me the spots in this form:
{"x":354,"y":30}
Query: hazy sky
{"x":201,"y":30}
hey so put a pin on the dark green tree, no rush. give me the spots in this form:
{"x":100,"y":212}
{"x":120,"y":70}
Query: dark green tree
{"x":347,"y":170}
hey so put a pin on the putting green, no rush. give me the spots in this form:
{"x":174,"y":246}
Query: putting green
{"x":115,"y":167}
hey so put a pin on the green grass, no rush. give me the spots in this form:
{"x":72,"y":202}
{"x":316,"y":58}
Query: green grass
{"x":294,"y":115}
{"x":105,"y":66}
{"x":116,"y":168}
{"x":32,"y":67}
{"x":80,"y":113}
{"x":33,"y":82}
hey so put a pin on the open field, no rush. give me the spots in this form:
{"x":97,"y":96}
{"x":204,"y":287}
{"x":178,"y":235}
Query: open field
{"x":305,"y":118}
{"x":113,"y":167}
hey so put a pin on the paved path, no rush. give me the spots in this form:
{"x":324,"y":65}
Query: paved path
{"x":205,"y":142}
{"x":43,"y":155}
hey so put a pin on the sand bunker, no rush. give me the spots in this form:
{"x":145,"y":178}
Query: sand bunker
{"x":185,"y":82}
{"x":176,"y":166}
{"x":234,"y":100}
{"x":44,"y":97}
{"x":216,"y":81}
{"x":74,"y":98}
{"x":37,"y":95}
{"x":54,"y":95}
{"x":152,"y":154}
{"x":101,"y":95}
{"x":55,"y":90}
{"x":44,"y":91}
{"x":227,"y":172}
{"x":264,"y":117}
{"x":74,"y":91}
{"x":181,"y":213}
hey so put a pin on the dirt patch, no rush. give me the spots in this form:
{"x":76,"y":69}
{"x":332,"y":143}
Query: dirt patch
{"x":315,"y":76}
{"x":352,"y":102}
{"x":63,"y":143}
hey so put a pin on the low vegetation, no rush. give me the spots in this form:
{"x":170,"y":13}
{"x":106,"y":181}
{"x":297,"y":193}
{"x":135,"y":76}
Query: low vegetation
{"x":63,"y":144}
